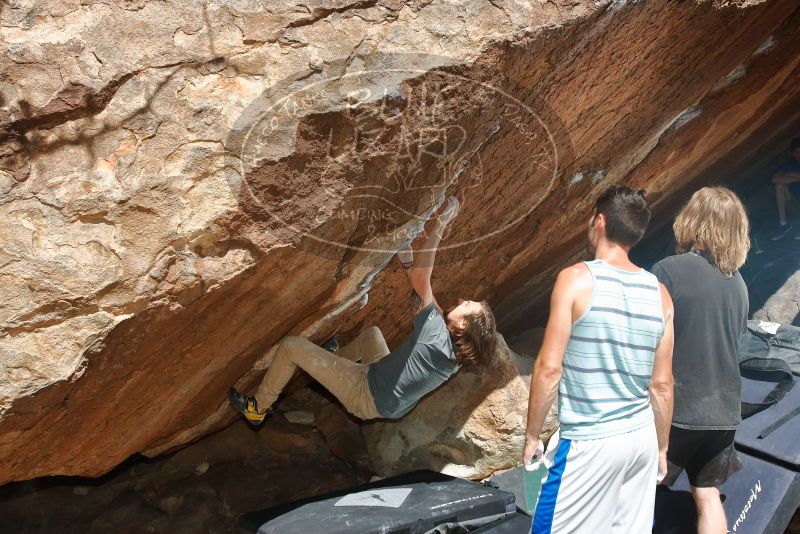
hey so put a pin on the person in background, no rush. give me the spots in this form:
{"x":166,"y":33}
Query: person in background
{"x":787,"y":185}
{"x":607,"y":350}
{"x":711,"y":308}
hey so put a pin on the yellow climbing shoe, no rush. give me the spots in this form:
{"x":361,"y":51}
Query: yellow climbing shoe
{"x":247,"y":406}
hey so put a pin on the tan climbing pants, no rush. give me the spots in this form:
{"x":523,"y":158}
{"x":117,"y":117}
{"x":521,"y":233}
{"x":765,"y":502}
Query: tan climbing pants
{"x":340,"y":373}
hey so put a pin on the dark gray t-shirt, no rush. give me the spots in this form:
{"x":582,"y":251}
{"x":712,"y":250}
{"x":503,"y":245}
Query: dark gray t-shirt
{"x":710,"y":318}
{"x":423,"y":361}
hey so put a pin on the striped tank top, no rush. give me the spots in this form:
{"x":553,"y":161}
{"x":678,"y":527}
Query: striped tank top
{"x":604,"y":389}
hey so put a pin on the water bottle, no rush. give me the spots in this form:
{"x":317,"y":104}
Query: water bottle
{"x":533,"y":476}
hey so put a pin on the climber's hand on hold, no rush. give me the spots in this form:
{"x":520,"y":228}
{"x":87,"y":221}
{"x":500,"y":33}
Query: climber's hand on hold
{"x":450,"y":211}
{"x":406,"y":257}
{"x":424,"y":259}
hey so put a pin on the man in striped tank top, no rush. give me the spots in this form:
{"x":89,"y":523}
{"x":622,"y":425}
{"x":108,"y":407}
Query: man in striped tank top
{"x":607,"y":350}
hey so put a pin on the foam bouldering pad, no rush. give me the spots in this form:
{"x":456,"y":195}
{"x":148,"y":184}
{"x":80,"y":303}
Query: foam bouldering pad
{"x":525,"y":486}
{"x":761,"y":498}
{"x":773,"y":434}
{"x":513,"y":524}
{"x":414,"y":503}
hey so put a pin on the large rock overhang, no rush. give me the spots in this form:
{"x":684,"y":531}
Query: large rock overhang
{"x":142,"y":275}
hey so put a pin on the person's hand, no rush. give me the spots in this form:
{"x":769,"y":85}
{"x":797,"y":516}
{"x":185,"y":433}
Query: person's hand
{"x":450,"y":211}
{"x":662,"y":467}
{"x":533,"y":451}
{"x":406,"y":257}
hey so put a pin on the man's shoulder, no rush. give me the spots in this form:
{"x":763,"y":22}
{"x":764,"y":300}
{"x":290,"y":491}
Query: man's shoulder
{"x":571,"y":280}
{"x":574,"y":274}
{"x":430,"y":313}
{"x":672,"y":261}
{"x":429,"y":322}
{"x":741,"y":286}
{"x":676,"y":264}
{"x":576,"y":269}
{"x":425,"y":314}
{"x":433,"y":344}
{"x":432,"y":329}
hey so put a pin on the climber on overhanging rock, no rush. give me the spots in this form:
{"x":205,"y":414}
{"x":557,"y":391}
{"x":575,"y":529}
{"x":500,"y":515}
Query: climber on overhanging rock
{"x":369,"y":380}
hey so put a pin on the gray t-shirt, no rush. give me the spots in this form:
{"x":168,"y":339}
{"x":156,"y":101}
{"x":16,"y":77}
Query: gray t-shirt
{"x":710,"y":318}
{"x":423,"y":361}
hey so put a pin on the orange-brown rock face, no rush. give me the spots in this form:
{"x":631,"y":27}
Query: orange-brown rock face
{"x":182,"y":184}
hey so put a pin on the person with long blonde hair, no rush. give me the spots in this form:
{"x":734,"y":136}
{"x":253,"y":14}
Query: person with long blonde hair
{"x":711,"y":308}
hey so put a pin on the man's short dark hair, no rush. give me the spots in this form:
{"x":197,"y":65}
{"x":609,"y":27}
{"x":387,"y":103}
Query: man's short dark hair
{"x":627,"y":214}
{"x":795,"y":143}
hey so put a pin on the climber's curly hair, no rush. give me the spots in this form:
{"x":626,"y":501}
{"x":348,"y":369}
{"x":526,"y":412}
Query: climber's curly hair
{"x":475,"y":343}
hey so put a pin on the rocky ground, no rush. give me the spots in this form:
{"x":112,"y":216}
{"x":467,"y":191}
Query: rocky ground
{"x":204,"y":487}
{"x":772,"y":271}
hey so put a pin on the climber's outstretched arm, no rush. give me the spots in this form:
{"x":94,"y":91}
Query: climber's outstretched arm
{"x":420,"y":266}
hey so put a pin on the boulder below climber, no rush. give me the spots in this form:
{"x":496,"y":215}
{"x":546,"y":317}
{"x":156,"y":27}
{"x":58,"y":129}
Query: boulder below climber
{"x":471,"y":427}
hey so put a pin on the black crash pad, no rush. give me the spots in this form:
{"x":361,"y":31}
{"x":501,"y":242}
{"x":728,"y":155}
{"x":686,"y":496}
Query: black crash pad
{"x":525,"y":486}
{"x":761,"y":498}
{"x":428,"y":500}
{"x":773,"y":434}
{"x":514,"y":524}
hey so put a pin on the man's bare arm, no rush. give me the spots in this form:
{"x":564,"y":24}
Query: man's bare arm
{"x":549,"y":363}
{"x":406,"y":257}
{"x":661,"y":382}
{"x":420,"y":274}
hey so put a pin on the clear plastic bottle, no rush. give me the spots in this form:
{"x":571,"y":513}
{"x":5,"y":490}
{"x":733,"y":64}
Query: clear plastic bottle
{"x":533,"y":478}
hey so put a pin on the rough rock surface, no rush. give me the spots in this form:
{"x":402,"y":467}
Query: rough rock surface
{"x":783,"y":306}
{"x":471,"y":428}
{"x":344,"y":437}
{"x":169,"y":211}
{"x":772,"y":271}
{"x":201,"y":488}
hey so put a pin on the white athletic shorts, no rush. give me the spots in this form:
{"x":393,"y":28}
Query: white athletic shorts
{"x":599,"y":486}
